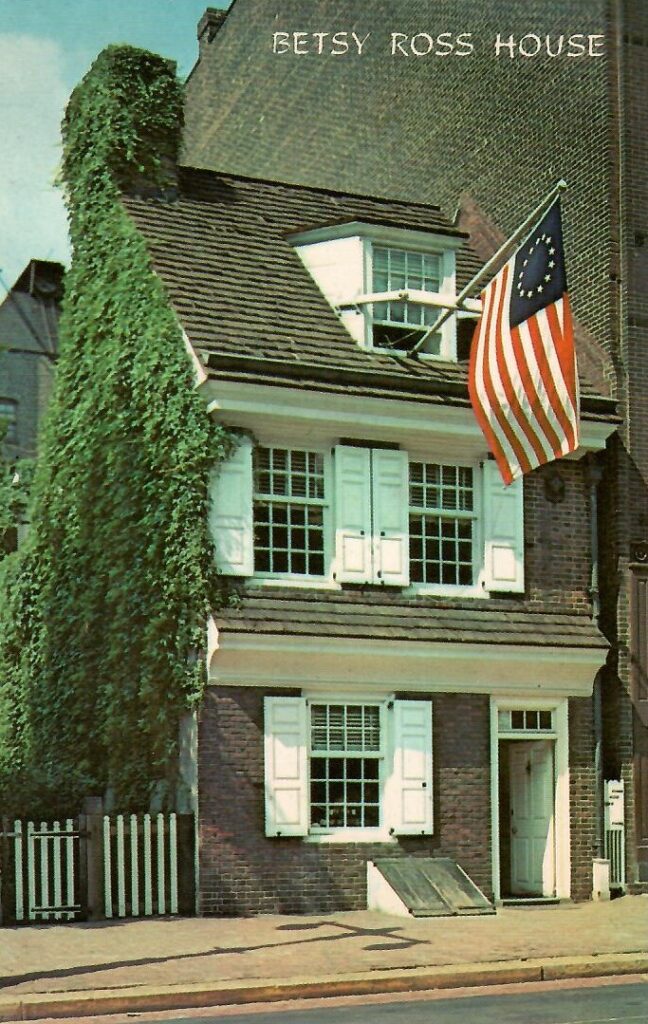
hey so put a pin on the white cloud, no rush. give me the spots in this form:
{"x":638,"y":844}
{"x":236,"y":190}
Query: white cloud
{"x":33,"y":94}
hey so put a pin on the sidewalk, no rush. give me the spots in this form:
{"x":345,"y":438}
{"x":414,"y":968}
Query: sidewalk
{"x":66,"y":970}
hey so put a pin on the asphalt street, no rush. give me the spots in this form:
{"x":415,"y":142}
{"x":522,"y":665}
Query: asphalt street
{"x":604,"y":1004}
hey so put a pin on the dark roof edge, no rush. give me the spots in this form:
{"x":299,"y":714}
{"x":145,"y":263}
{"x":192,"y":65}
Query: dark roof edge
{"x":587,"y":642}
{"x":596,"y":404}
{"x":391,"y":200}
{"x":334,"y":374}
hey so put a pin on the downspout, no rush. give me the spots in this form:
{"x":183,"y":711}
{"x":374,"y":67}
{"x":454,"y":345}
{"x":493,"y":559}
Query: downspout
{"x":593,"y":474}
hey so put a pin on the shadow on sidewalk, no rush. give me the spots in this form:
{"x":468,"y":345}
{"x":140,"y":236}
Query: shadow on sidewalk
{"x":347,"y":932}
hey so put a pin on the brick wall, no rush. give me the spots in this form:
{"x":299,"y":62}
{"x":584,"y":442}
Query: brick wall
{"x":582,"y":790}
{"x":624,"y":493}
{"x":557,"y":508}
{"x":243,"y":872}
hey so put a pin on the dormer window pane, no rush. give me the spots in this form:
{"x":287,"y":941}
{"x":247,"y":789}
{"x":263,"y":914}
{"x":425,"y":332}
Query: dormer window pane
{"x":402,"y":270}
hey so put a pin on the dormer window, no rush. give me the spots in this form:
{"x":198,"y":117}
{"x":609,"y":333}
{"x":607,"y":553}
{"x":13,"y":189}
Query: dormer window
{"x":387,"y":285}
{"x":399,"y":323}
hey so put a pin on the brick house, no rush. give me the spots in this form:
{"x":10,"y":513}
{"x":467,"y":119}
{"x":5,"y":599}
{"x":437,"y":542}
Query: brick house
{"x":28,"y":344}
{"x":491,"y":130}
{"x":407,"y":667}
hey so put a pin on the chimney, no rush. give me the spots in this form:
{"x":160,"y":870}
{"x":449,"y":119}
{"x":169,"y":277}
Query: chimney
{"x":208,"y":26}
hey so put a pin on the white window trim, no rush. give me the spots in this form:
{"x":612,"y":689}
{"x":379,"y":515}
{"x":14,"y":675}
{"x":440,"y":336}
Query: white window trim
{"x":447,"y":290}
{"x":327,"y":581}
{"x":562,"y":826}
{"x":351,"y":835}
{"x":476,"y":589}
{"x":528,"y":734}
{"x":384,"y":834}
{"x":300,"y":579}
{"x":376,"y":834}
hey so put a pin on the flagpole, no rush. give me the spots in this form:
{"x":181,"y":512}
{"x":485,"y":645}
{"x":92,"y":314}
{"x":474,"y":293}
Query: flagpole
{"x":527,"y":224}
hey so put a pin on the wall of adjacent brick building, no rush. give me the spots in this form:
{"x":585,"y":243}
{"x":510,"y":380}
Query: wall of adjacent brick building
{"x":625,"y":492}
{"x":28,"y":344}
{"x":501,"y":129}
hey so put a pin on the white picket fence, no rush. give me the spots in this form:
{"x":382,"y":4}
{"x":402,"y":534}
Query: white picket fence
{"x":99,"y":865}
{"x":140,"y":865}
{"x":46,"y":870}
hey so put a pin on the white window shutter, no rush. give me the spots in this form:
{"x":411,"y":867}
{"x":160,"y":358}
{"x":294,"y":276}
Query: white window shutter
{"x":286,"y":767}
{"x":409,"y":803}
{"x":503,"y":532}
{"x":230,"y":513}
{"x":390,"y":474}
{"x":353,"y":515}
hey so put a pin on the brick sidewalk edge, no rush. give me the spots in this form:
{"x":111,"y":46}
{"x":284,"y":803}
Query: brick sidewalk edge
{"x":171,"y":997}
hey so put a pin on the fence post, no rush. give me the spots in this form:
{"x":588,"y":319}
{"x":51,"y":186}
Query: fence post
{"x":93,"y":814}
{"x":4,"y":866}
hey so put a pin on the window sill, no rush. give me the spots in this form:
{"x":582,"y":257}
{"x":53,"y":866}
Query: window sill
{"x":403,"y":353}
{"x":313,"y":583}
{"x":352,"y":835}
{"x":413,"y":590}
{"x":439,"y":590}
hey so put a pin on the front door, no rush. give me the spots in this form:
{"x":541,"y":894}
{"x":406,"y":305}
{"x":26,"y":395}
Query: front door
{"x":532,"y":818}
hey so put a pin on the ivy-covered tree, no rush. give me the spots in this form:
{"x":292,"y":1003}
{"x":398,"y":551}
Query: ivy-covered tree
{"x":103,"y":612}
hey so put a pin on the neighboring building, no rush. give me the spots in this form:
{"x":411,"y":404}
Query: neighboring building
{"x":408,"y":668}
{"x":491,"y":132}
{"x":28,"y":344}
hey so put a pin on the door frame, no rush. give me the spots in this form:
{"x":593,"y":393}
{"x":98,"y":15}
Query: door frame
{"x":560,"y":737}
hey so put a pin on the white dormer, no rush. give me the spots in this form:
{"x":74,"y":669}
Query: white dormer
{"x":388,"y":285}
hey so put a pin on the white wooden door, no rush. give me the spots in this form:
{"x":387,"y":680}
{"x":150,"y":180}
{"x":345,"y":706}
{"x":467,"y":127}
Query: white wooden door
{"x":532,"y":818}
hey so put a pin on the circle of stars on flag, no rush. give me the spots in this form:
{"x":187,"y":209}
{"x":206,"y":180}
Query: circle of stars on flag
{"x":527,"y":289}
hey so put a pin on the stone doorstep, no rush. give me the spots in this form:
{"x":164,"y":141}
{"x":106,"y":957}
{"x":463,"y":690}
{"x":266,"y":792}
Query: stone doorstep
{"x":170,"y":997}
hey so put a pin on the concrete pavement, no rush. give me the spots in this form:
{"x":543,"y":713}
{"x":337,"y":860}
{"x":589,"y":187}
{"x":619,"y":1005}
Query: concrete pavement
{"x":165,"y":963}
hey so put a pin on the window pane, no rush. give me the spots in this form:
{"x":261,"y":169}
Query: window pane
{"x":294,"y":539}
{"x":371,"y":819}
{"x":403,"y":270}
{"x":436,"y":491}
{"x":344,"y":788}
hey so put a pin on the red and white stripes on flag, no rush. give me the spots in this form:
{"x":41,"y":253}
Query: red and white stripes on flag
{"x":523,"y":379}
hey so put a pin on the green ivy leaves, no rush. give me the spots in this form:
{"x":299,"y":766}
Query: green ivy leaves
{"x":105,"y":606}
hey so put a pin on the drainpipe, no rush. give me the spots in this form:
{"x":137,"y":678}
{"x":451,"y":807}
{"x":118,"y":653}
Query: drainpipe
{"x":593,"y":474}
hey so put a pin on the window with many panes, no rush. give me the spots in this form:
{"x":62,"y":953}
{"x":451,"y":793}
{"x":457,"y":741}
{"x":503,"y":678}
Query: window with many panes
{"x":400,"y":323}
{"x":289,"y":511}
{"x":526,"y":719}
{"x":345,"y":751}
{"x":441,"y":523}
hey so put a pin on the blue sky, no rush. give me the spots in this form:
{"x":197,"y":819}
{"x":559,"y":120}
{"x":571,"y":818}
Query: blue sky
{"x":46,"y":46}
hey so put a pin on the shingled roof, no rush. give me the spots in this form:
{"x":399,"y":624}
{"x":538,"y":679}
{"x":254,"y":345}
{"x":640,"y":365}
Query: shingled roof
{"x":252,"y":310}
{"x":430,"y":128}
{"x":385,"y":616}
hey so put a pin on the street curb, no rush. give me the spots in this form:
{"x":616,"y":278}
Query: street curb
{"x":228,"y":993}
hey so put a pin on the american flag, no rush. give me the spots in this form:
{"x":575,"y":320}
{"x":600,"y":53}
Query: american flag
{"x":523,"y":381}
